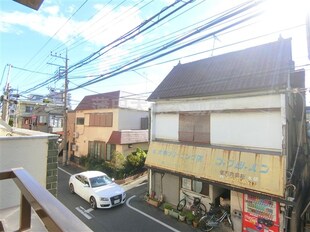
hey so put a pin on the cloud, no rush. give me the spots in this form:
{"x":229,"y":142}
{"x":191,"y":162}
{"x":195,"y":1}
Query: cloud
{"x":104,"y":26}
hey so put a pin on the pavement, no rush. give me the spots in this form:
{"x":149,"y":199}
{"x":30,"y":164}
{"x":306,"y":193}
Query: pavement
{"x":138,"y":203}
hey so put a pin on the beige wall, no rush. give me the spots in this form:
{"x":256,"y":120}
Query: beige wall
{"x":122,"y":119}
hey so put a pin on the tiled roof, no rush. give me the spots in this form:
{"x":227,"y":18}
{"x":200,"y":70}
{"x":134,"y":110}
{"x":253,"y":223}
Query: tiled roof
{"x":128,"y":137}
{"x":100,"y":101}
{"x":262,"y":67}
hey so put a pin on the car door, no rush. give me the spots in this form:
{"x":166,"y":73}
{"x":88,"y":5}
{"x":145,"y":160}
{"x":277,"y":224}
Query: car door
{"x":78,"y":184}
{"x":85,"y":189}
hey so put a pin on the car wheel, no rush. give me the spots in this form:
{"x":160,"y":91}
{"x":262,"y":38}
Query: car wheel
{"x":71,"y":188}
{"x":93,"y":203}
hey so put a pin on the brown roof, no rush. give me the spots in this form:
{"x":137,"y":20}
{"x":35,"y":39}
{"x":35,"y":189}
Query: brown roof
{"x":257,"y":68}
{"x":128,"y":137}
{"x":100,"y":101}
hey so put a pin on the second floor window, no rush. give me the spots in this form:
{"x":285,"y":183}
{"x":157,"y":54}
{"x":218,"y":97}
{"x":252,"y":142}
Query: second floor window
{"x":29,"y":109}
{"x":101,"y":119}
{"x":79,"y":121}
{"x":194,"y":127}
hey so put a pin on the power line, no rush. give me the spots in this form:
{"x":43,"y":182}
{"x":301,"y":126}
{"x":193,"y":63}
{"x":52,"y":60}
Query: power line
{"x":212,"y":23}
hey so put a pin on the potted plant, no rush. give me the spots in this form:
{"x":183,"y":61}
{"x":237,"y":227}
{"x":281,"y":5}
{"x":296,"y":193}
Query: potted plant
{"x":195,"y":221}
{"x":189,"y":217}
{"x":167,"y":208}
{"x":182,"y":216}
{"x":174,"y":213}
{"x":153,"y":202}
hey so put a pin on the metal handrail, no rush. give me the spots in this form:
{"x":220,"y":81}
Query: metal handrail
{"x":54,"y":215}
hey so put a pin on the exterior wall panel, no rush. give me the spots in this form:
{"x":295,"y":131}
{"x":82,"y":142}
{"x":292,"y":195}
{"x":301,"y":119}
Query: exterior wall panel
{"x":246,"y":170}
{"x":260,"y":130}
{"x":167,"y":126}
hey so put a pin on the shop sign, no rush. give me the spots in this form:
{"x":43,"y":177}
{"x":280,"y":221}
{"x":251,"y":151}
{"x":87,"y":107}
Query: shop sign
{"x":261,"y":172}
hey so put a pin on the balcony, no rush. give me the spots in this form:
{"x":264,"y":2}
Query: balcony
{"x":38,"y":210}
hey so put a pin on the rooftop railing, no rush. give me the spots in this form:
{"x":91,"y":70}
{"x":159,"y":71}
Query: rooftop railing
{"x":54,"y":215}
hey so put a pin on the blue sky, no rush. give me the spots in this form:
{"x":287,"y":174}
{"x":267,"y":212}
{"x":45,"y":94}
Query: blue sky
{"x":29,"y":37}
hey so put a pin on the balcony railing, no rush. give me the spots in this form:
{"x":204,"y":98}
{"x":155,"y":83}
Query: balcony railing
{"x":54,"y":215}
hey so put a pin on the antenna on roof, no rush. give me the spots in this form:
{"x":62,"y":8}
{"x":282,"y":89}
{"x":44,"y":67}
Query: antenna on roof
{"x":214,"y":39}
{"x":280,"y":37}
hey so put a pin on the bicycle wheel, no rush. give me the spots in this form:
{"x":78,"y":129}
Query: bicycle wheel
{"x":202,"y":210}
{"x":181,"y":204}
{"x":205,"y":223}
{"x":230,"y":222}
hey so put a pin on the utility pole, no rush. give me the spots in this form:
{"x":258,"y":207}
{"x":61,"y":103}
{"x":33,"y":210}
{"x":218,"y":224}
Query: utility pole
{"x":65,"y":112}
{"x":5,"y":104}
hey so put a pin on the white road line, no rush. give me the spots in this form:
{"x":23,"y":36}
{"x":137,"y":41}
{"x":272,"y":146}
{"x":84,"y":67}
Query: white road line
{"x":150,"y":217}
{"x":89,"y":210}
{"x":83,"y":212}
{"x":65,"y":171}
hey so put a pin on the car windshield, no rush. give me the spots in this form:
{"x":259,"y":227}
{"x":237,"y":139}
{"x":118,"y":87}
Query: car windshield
{"x":100,"y":181}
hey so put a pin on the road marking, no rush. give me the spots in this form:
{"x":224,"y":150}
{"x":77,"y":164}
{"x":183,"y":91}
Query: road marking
{"x":89,"y":210}
{"x":150,"y":217}
{"x":65,"y":171}
{"x":138,"y":185}
{"x":83,"y":212}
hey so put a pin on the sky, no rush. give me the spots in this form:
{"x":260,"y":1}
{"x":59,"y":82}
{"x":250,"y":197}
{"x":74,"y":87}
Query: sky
{"x":131,"y":45}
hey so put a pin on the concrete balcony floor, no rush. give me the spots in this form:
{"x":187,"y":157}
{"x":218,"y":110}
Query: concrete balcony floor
{"x":10,"y":220}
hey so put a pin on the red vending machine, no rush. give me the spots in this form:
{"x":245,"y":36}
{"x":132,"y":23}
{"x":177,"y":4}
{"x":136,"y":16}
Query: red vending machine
{"x":260,"y":215}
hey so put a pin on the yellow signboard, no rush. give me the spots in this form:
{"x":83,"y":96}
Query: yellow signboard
{"x":260,"y":172}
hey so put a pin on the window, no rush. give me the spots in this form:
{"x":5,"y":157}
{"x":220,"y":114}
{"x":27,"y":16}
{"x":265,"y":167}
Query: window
{"x":96,"y":149}
{"x":111,"y":148}
{"x":29,"y":109}
{"x":42,"y":119}
{"x":196,"y":186}
{"x":194,"y":127}
{"x":144,"y":124}
{"x":79,"y":121}
{"x":102,"y":119}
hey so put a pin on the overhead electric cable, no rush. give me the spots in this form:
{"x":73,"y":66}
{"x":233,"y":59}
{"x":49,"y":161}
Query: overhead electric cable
{"x":129,"y":33}
{"x":119,"y":71}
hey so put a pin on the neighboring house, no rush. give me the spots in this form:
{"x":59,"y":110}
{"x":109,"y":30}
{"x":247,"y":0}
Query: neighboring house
{"x":232,"y":127}
{"x":39,"y":116}
{"x":106,"y":123}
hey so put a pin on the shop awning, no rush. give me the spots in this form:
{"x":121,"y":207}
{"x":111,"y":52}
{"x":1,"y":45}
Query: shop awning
{"x":248,"y":170}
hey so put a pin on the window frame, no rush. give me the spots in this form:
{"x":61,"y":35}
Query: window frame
{"x":188,"y":185}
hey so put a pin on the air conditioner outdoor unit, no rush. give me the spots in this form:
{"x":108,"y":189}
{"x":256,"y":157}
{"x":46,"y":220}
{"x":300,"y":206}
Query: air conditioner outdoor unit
{"x":76,"y":134}
{"x":75,"y":147}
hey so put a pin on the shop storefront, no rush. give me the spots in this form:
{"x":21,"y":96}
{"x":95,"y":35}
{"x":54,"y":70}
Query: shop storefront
{"x":195,"y":169}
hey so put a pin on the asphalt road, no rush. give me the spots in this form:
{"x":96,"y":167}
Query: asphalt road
{"x":134,"y":216}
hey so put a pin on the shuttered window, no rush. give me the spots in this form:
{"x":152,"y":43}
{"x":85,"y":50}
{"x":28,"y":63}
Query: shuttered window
{"x":101,"y":119}
{"x":194,"y":127}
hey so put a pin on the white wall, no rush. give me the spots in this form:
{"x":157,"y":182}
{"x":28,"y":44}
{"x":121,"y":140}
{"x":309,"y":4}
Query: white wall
{"x":130,"y":119}
{"x":247,"y":129}
{"x":27,"y":152}
{"x":236,"y":121}
{"x":166,"y":126}
{"x":229,"y":102}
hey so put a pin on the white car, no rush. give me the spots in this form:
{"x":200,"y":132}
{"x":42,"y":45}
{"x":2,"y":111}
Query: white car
{"x":97,"y":188}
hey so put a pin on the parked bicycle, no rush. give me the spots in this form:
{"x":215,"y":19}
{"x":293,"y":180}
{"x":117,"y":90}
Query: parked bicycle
{"x":197,"y":207}
{"x":214,"y":217}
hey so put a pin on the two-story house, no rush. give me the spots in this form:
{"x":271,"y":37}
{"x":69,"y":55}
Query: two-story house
{"x":232,"y":127}
{"x":105,"y":123}
{"x":40,"y":116}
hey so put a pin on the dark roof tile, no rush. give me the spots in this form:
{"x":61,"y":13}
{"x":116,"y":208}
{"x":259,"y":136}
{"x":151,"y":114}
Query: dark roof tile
{"x":257,"y":68}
